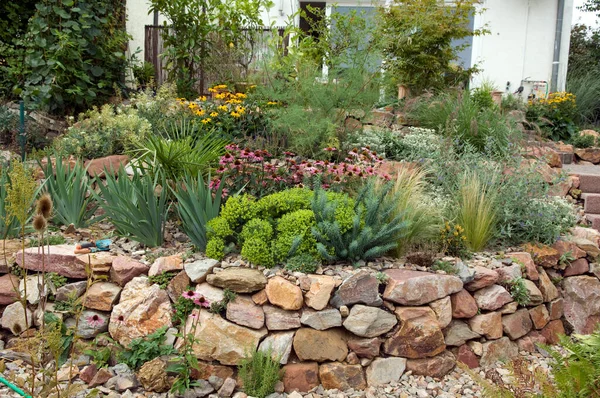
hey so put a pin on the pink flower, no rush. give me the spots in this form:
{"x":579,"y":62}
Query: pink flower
{"x":232,"y":147}
{"x":330,"y":149}
{"x":194,"y":315}
{"x":95,"y":321}
{"x":201,"y":301}
{"x":190,"y":295}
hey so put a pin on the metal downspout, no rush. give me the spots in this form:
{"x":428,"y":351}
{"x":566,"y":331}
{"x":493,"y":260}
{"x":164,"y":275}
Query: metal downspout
{"x":560,"y":13}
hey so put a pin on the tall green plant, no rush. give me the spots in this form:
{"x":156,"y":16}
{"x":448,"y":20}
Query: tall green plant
{"x":417,"y":41}
{"x":477,"y":210}
{"x":9,"y":226}
{"x":260,"y":373}
{"x":70,"y":189}
{"x":196,"y":207}
{"x":375,"y":229}
{"x":138,"y":207}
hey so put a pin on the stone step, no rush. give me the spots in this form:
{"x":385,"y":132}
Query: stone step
{"x":591,"y":203}
{"x":589,"y":183}
{"x":594,"y":219}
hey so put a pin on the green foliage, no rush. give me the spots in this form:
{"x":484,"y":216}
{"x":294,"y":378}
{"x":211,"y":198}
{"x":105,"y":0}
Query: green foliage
{"x":71,"y":306}
{"x":142,"y":350}
{"x":75,"y":53}
{"x":423,"y":219}
{"x":576,"y":368}
{"x":585,"y":85}
{"x":19,"y":191}
{"x":418,"y":38}
{"x":100,"y":355}
{"x":518,"y":290}
{"x":56,"y":280}
{"x":194,"y":27}
{"x":309,"y":108}
{"x":375,"y":229}
{"x":238,"y":210}
{"x":482,"y":96}
{"x":555,"y":115}
{"x":218,"y":228}
{"x":454,"y":241}
{"x":294,"y":236}
{"x":256,"y":228}
{"x":218,"y":307}
{"x":70,"y":189}
{"x":178,"y":152}
{"x":511,"y":102}
{"x":103,"y":132}
{"x":48,"y":240}
{"x":460,"y":117}
{"x":305,"y":263}
{"x":258,"y":252}
{"x":163,"y":279}
{"x":382,"y":278}
{"x":446,"y":266}
{"x":215,"y":248}
{"x":9,"y":226}
{"x":143,"y":73}
{"x":583,"y":141}
{"x":277,"y":204}
{"x":182,"y":308}
{"x":134,"y":206}
{"x":65,"y":340}
{"x":260,"y":373}
{"x":477,"y":210}
{"x":196,"y":207}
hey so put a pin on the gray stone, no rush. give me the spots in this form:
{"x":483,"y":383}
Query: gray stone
{"x":369,"y":321}
{"x":198,"y":270}
{"x":465,"y":273}
{"x":385,"y":370}
{"x":280,"y":345}
{"x":458,"y":333}
{"x":91,"y":323}
{"x":360,"y":288}
{"x":321,"y":320}
{"x":13,"y":318}
{"x":71,"y":290}
{"x":279,"y":319}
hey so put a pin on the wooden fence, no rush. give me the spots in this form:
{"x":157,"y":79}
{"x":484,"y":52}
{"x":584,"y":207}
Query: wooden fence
{"x":229,"y":62}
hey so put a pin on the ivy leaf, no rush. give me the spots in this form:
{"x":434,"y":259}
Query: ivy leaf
{"x":97,"y":71}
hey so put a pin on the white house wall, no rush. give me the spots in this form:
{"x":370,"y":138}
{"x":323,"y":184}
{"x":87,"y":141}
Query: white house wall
{"x":521,"y":43}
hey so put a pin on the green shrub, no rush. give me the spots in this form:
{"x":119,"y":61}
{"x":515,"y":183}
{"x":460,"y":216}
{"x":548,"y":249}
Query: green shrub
{"x":256,"y":228}
{"x":555,"y":115}
{"x":9,"y":226}
{"x":103,"y":132}
{"x":258,"y":252}
{"x":134,"y":206}
{"x":196,"y":207}
{"x":305,"y":263}
{"x":218,"y":228}
{"x":70,"y":189}
{"x":215,"y":248}
{"x":453,"y":240}
{"x":275,"y":205}
{"x":445,"y":266}
{"x":142,"y":350}
{"x":374,"y":232}
{"x":518,"y":290}
{"x":482,"y":97}
{"x":260,"y":373}
{"x":585,"y":85}
{"x":583,"y":141}
{"x":238,"y":210}
{"x":294,"y":235}
{"x":163,"y":279}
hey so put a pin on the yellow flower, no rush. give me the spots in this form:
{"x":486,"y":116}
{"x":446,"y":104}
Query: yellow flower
{"x":214,"y":114}
{"x":220,"y":96}
{"x":241,"y":95}
{"x":200,"y":112}
{"x":212,"y":90}
{"x":240,"y":109}
{"x":222,"y":107}
{"x":230,"y":45}
{"x":271,"y":103}
{"x":193,"y":105}
{"x":235,"y":114}
{"x":207,"y":120}
{"x":202,"y":98}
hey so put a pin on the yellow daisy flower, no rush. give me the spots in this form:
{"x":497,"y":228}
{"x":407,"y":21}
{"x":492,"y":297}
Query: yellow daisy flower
{"x":207,"y":120}
{"x":214,"y":114}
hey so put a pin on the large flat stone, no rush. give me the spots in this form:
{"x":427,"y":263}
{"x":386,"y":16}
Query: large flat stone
{"x":320,"y":346}
{"x":367,"y":321}
{"x":238,"y":279}
{"x":408,"y":287}
{"x":360,"y":288}
{"x":419,"y":335}
{"x":58,"y":258}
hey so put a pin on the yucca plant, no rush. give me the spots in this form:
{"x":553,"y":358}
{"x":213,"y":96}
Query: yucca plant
{"x":477,"y":210}
{"x":196,"y":207}
{"x":423,"y":220}
{"x":138,"y":207}
{"x":375,"y":229}
{"x":178,"y":152}
{"x":70,"y":189}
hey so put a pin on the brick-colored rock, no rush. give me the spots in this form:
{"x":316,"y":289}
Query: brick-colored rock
{"x":320,"y":345}
{"x":458,"y":333}
{"x":500,"y":350}
{"x":589,"y":154}
{"x":488,"y":325}
{"x":539,"y":316}
{"x":530,"y":271}
{"x":529,"y":343}
{"x":102,"y":376}
{"x":102,"y":296}
{"x":143,"y":308}
{"x":438,"y":366}
{"x":577,"y":267}
{"x":418,"y":336}
{"x":342,"y":377}
{"x":467,"y":356}
{"x":320,"y":290}
{"x":543,"y":255}
{"x":443,"y":311}
{"x":408,"y":287}
{"x":492,"y":297}
{"x":219,"y":340}
{"x":385,"y":370}
{"x":125,"y":269}
{"x":205,"y":370}
{"x":518,"y":324}
{"x":565,"y":247}
{"x":178,"y":285}
{"x":463,"y":305}
{"x":284,"y":294}
{"x":280,"y":319}
{"x":547,"y":288}
{"x":301,"y":377}
{"x":9,"y":286}
{"x":112,"y":163}
{"x":509,"y":273}
{"x":556,"y":308}
{"x":321,"y":320}
{"x":58,"y":258}
{"x":581,"y":296}
{"x":552,"y":331}
{"x":367,"y":321}
{"x":244,"y":312}
{"x":238,"y":279}
{"x":365,"y":348}
{"x":590,"y":246}
{"x":509,"y":308}
{"x":484,"y":277}
{"x":360,"y":288}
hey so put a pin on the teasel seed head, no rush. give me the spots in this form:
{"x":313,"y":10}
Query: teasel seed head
{"x":39,"y":222}
{"x":44,"y":206}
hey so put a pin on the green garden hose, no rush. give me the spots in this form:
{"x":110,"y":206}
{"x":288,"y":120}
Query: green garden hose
{"x":13,"y":387}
